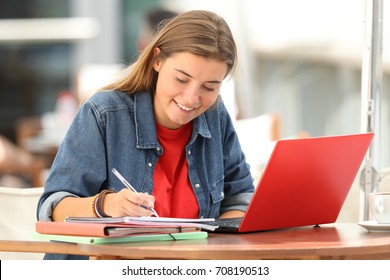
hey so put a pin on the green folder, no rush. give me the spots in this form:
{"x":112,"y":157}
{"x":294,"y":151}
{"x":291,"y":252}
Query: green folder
{"x":123,"y":239}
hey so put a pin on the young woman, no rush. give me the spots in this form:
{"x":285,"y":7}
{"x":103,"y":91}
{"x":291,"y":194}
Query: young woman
{"x":164,"y":127}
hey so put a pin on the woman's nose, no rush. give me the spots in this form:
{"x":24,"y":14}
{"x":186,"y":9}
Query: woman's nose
{"x":192,"y":96}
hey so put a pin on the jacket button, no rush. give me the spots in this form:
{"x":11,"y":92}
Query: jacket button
{"x":189,"y":152}
{"x":158,"y":148}
{"x":197,"y":186}
{"x":149,"y":164}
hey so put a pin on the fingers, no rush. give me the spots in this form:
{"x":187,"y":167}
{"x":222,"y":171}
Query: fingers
{"x":148,"y":201}
{"x":143,"y":199}
{"x":134,"y":204}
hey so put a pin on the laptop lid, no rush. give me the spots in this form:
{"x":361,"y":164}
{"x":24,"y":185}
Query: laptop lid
{"x":305,"y":182}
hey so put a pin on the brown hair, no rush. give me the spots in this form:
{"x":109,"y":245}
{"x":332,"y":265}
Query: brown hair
{"x":202,"y":33}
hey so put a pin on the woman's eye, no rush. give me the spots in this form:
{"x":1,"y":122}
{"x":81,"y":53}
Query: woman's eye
{"x":180,"y":80}
{"x":208,"y":89}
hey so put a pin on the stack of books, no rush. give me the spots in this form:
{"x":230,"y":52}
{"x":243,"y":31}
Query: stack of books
{"x":123,"y":229}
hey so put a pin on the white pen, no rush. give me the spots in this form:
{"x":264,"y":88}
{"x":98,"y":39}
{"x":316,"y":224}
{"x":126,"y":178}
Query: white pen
{"x":129,"y":186}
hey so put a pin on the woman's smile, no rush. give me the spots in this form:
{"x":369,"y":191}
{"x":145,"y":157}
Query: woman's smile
{"x":184,"y":108}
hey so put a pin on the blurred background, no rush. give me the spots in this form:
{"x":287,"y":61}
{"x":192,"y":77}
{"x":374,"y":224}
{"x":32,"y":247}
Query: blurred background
{"x":299,"y":71}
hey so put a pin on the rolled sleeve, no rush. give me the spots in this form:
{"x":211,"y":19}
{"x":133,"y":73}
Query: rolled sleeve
{"x":50,"y":202}
{"x":236,"y":202}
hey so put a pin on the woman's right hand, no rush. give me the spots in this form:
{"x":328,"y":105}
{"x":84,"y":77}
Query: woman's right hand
{"x":128,"y":203}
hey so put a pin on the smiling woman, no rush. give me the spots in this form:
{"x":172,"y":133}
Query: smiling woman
{"x":163,"y":126}
{"x":187,"y":86}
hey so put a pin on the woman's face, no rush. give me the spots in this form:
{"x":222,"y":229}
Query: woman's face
{"x":187,"y":85}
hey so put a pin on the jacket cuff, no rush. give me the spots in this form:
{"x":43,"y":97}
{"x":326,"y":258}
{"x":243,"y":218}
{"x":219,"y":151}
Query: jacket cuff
{"x":237,"y":202}
{"x":48,"y":205}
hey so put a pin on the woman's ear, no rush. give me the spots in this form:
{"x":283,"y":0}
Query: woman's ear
{"x":156,"y":51}
{"x":157,"y":59}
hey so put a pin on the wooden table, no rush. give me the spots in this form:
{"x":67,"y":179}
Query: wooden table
{"x":333,"y":241}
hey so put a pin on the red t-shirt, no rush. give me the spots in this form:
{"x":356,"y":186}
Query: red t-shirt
{"x":172,"y":188}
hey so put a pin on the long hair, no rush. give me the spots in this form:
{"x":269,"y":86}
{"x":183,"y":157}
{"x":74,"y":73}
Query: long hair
{"x":202,"y":33}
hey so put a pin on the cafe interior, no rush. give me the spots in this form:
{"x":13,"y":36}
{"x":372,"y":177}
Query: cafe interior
{"x":300,"y":74}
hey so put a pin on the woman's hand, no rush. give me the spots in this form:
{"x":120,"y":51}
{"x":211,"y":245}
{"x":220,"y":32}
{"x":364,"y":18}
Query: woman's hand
{"x":232,"y":214}
{"x":128,"y":203}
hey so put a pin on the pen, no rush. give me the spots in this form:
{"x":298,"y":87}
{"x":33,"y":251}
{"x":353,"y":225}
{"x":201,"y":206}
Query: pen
{"x":129,"y":186}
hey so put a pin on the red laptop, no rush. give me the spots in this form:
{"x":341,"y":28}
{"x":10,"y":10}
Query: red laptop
{"x":305,"y":182}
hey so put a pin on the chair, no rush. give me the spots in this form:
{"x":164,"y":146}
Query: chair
{"x":257,"y":137}
{"x":18,"y":216}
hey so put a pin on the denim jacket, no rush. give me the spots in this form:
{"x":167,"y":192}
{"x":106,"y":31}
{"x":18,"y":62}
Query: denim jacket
{"x":117,"y":130}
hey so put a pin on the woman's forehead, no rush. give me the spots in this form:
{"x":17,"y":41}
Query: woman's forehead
{"x":195,"y":66}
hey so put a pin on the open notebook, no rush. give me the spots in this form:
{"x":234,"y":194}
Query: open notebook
{"x":305,"y":182}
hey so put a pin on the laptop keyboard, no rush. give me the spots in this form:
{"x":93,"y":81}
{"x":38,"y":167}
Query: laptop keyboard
{"x":227,"y":224}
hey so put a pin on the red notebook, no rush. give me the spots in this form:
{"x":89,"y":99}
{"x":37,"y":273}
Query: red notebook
{"x":106,"y":230}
